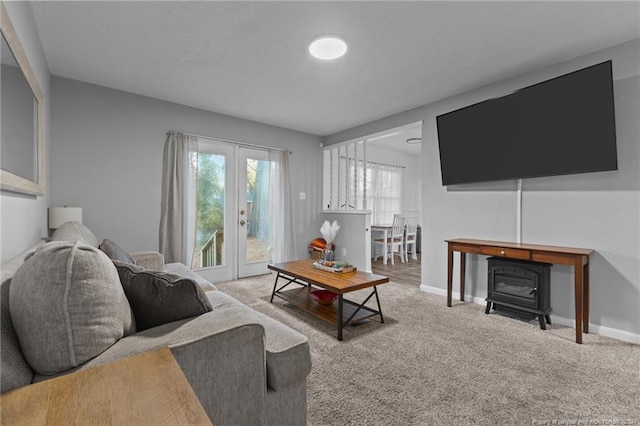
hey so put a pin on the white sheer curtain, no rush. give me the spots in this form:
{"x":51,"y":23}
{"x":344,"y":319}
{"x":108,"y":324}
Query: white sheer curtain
{"x":384,"y":195}
{"x":282,"y":235}
{"x":178,"y":216}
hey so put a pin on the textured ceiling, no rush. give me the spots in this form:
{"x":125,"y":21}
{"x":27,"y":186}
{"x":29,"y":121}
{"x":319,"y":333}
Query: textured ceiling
{"x":250,"y":59}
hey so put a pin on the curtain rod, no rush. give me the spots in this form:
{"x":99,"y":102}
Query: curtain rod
{"x":244,"y":144}
{"x":375,"y":163}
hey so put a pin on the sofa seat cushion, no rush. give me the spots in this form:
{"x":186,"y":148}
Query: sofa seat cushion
{"x":181,"y":269}
{"x":75,"y":231}
{"x":67,"y":306}
{"x":158,"y":297}
{"x":288,"y":357}
{"x":288,"y":353}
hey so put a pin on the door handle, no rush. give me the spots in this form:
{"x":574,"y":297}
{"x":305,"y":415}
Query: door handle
{"x":242,"y":222}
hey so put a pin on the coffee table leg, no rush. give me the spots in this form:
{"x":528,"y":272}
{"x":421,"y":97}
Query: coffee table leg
{"x":375,"y":290}
{"x":339,"y":319}
{"x":274,"y":287}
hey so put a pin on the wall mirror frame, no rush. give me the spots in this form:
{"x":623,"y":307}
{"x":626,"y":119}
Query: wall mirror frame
{"x":8,"y":180}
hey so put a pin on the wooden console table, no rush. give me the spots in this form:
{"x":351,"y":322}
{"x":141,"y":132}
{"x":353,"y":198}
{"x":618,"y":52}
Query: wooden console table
{"x":149,"y":388}
{"x":576,"y":257}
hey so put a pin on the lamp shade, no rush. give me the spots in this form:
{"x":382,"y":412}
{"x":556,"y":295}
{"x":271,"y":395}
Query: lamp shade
{"x":60,"y":215}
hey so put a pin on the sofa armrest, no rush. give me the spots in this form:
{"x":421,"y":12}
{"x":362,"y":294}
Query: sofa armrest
{"x":149,"y":260}
{"x":222,"y":355}
{"x":227,"y":373}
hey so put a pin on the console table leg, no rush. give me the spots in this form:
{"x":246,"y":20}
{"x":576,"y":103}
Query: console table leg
{"x":449,"y":274}
{"x":578,"y":286}
{"x":585,"y":298}
{"x":463,"y":268}
{"x":339,"y":319}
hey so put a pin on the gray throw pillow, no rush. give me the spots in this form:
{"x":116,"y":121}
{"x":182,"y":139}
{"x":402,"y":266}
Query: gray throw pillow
{"x":158,"y":297}
{"x":115,"y":252}
{"x":67,"y":306}
{"x":75,"y":231}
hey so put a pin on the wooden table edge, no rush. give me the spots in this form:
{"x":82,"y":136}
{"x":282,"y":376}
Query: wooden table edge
{"x":379,"y":279}
{"x":24,"y":401}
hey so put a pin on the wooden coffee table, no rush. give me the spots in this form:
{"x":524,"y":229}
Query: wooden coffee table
{"x":346,"y":312}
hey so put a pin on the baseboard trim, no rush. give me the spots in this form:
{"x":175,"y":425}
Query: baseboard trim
{"x":625,"y":336}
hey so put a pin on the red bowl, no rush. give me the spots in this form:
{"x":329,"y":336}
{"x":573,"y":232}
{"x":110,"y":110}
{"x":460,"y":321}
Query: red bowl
{"x":324,"y":297}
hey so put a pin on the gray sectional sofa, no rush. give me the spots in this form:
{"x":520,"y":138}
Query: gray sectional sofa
{"x":246,"y":368}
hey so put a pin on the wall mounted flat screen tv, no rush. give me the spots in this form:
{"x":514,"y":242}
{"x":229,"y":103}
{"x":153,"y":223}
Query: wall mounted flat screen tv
{"x":565,"y":125}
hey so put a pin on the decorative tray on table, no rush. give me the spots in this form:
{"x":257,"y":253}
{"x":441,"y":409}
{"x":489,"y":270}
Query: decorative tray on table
{"x":334,"y":266}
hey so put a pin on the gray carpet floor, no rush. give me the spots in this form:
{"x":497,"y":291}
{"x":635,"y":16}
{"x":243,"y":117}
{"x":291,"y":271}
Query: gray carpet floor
{"x":433,"y":365}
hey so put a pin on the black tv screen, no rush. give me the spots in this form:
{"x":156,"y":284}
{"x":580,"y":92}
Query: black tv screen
{"x":561,"y":126}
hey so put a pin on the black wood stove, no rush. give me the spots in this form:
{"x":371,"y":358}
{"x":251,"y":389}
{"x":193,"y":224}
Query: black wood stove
{"x":521,"y":285}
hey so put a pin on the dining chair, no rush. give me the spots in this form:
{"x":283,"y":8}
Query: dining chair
{"x":395,"y":242}
{"x":411,"y":237}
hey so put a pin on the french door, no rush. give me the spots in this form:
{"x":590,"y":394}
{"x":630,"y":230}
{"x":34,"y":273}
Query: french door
{"x":233,"y":222}
{"x":254,"y":216}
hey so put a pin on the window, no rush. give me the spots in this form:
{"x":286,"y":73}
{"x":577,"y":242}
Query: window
{"x":258,"y":227}
{"x":353,"y":183}
{"x":384,"y":191}
{"x":210,"y":202}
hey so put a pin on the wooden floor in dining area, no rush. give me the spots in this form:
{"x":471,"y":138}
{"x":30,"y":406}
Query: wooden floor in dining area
{"x":403,"y":273}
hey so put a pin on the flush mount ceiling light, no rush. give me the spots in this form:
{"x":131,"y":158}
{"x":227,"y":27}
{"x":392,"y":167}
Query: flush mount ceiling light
{"x":328,"y":47}
{"x":414,"y":140}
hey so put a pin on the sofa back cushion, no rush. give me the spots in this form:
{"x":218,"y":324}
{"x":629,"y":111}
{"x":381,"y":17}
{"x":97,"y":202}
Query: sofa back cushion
{"x":115,"y":252}
{"x":67,"y":306}
{"x":75,"y":231}
{"x":15,"y":372}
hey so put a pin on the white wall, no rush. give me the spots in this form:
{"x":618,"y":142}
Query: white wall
{"x":106,"y":157}
{"x":24,"y":218}
{"x":354,"y":236}
{"x":598,"y":210}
